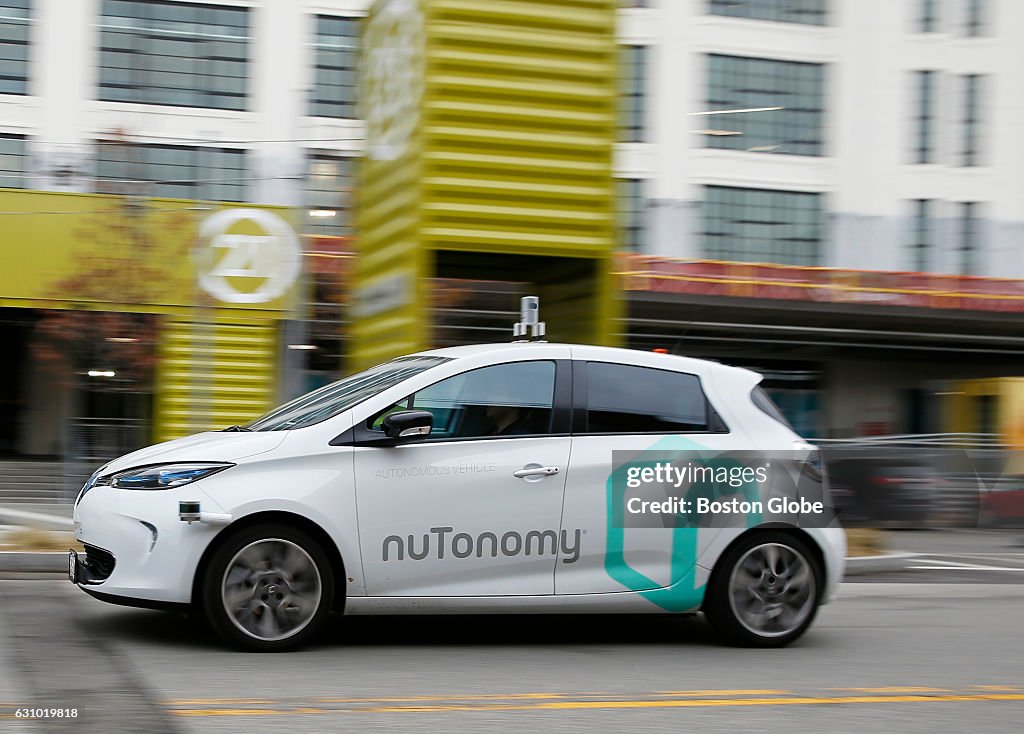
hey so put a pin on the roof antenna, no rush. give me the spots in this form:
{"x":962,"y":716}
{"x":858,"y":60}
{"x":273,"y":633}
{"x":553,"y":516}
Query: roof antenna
{"x":529,"y":321}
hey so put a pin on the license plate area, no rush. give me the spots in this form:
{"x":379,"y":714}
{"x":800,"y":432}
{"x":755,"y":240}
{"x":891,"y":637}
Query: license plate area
{"x":73,"y":567}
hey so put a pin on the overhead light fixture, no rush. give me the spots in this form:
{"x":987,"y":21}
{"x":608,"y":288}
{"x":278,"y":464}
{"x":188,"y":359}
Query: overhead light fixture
{"x":302,"y":347}
{"x":322,"y":213}
{"x":101,"y":373}
{"x":762,"y":148}
{"x":121,"y":339}
{"x":737,"y":111}
{"x":717,"y":133}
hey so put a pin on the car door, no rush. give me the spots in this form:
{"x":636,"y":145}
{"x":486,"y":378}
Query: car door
{"x":473,"y":509}
{"x":631,"y":408}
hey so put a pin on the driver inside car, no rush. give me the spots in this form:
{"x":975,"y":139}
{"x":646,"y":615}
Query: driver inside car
{"x":509,"y":420}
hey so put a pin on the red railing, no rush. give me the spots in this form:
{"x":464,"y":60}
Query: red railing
{"x":821,"y":285}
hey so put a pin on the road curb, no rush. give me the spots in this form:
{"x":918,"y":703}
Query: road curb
{"x":868,"y":565}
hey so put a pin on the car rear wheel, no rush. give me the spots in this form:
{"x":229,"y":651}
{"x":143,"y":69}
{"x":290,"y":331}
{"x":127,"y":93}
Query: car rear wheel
{"x":268,"y":588}
{"x":765,"y":591}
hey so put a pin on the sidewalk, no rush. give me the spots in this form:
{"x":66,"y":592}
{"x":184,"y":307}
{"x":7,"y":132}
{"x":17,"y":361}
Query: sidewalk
{"x":955,"y":540}
{"x":51,"y":513}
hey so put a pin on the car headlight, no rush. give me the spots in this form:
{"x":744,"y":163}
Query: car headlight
{"x":165,"y":476}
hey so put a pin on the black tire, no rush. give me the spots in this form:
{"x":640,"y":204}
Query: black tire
{"x":722,"y":607}
{"x":298,"y":590}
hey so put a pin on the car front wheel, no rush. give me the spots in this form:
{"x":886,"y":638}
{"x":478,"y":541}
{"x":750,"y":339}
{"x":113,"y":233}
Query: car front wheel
{"x":268,"y":588}
{"x":765,"y":591}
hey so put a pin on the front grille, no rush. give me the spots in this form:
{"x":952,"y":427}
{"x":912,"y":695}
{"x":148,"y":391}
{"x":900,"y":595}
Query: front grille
{"x":99,"y":563}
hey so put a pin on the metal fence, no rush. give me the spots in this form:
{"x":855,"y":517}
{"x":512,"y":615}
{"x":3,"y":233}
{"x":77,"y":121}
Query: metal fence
{"x":931,"y":480}
{"x":91,"y":442}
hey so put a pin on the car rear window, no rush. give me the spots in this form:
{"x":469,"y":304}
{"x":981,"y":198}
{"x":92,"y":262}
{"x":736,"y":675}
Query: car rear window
{"x":629,"y":399}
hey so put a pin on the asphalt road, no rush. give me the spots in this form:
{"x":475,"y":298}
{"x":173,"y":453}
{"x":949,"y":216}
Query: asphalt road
{"x":884,"y":657}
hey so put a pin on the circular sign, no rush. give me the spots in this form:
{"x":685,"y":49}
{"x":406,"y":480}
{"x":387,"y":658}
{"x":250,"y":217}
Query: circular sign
{"x":392,"y":77}
{"x":247,"y":268}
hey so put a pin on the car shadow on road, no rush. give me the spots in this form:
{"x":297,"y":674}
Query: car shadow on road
{"x":360,"y":632}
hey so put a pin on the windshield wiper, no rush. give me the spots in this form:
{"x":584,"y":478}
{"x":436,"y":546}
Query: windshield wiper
{"x":236,"y":428}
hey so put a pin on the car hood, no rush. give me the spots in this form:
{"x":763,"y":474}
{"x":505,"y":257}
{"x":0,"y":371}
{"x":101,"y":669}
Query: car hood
{"x":209,"y":446}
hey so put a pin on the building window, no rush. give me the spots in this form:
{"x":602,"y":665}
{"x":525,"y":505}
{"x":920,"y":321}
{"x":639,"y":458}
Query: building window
{"x":924,"y":139}
{"x":923,"y":238}
{"x":171,"y":171}
{"x":12,"y":161}
{"x":15,"y":18}
{"x":810,"y":12}
{"x":977,"y":10}
{"x":972,"y":120}
{"x":329,"y":193}
{"x":632,"y":94}
{"x":172,"y":53}
{"x":632,"y":214}
{"x":763,"y":105}
{"x":761,"y":225}
{"x":929,"y":18}
{"x":334,"y":84}
{"x":970,"y":236}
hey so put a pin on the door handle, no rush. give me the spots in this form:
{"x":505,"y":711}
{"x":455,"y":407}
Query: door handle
{"x":538,"y":471}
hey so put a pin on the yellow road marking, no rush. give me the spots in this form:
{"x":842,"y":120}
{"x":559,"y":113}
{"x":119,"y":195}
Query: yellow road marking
{"x":209,"y":701}
{"x":468,"y":697}
{"x":894,"y":689}
{"x":234,"y":712}
{"x":997,"y":688}
{"x":706,"y":702}
{"x":736,"y":692}
{"x":625,"y":704}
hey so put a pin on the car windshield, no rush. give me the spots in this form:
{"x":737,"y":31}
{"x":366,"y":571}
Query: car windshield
{"x":330,"y":400}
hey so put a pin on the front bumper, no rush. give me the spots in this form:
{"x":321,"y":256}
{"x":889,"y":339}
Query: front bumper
{"x":154,"y":555}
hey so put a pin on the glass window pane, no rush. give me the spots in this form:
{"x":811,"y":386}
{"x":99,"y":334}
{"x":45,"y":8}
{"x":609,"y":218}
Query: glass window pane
{"x":15,"y":35}
{"x":169,"y":48}
{"x":334,"y":89}
{"x":187,"y":172}
{"x":810,"y":12}
{"x":632,"y":93}
{"x":924,"y":145}
{"x":504,"y":400}
{"x":632,"y":214}
{"x":330,"y":178}
{"x":759,"y":225}
{"x":12,"y":161}
{"x":625,"y":399}
{"x":764,"y":105}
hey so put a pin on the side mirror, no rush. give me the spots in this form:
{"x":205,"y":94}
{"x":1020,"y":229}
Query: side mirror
{"x":408,"y":424}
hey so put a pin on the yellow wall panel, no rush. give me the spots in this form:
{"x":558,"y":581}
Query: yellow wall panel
{"x":213,"y":374}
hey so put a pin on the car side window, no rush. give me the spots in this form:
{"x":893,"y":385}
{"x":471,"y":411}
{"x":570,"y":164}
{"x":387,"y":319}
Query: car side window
{"x":514,"y":399}
{"x":628,"y":399}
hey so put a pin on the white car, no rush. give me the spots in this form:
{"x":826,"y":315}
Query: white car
{"x":465,"y":480}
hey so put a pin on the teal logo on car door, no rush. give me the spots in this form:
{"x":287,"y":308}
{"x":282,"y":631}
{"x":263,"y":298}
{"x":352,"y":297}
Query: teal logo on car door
{"x":682,"y":593}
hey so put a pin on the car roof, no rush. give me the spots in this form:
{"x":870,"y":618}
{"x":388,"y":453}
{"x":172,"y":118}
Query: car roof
{"x":588,"y":351}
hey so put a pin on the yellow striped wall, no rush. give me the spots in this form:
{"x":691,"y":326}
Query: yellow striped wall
{"x":213,"y":374}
